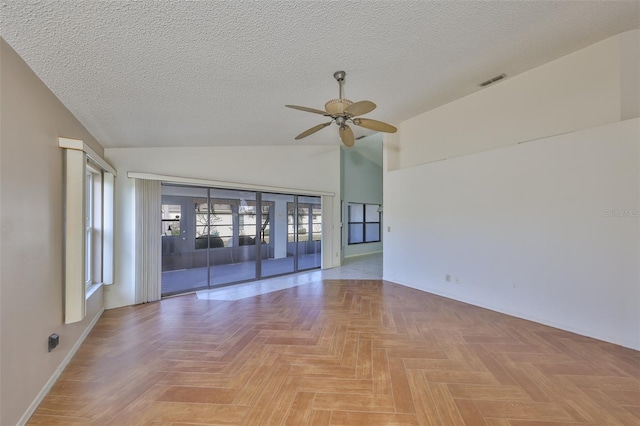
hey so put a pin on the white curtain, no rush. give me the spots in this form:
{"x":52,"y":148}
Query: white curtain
{"x":148,"y":241}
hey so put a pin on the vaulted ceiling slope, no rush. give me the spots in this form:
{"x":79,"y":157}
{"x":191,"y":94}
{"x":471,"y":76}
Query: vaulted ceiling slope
{"x":174,"y":73}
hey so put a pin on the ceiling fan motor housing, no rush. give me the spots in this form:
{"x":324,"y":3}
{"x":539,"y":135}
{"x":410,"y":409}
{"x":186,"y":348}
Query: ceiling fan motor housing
{"x":337,"y":106}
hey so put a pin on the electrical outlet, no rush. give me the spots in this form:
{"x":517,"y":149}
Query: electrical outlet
{"x":457,"y":280}
{"x":447,"y":278}
{"x":54,"y":340}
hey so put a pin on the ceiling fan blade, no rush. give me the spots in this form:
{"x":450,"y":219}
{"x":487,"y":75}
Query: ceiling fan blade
{"x":301,"y":108}
{"x":346,"y":134}
{"x":376,"y":125}
{"x":312,"y":130}
{"x":360,"y":108}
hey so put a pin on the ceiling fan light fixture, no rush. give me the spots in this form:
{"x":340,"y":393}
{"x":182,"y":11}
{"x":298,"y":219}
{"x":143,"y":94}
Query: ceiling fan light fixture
{"x":337,"y":106}
{"x":346,"y":135}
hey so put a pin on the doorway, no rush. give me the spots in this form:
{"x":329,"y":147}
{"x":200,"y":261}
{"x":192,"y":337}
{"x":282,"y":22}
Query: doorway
{"x":214,"y":237}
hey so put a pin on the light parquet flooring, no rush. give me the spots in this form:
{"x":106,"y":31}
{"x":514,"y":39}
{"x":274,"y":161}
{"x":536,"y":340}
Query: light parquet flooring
{"x":346,"y":352}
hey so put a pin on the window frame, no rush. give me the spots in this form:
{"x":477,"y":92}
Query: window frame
{"x":81,"y":248}
{"x":363,"y":223}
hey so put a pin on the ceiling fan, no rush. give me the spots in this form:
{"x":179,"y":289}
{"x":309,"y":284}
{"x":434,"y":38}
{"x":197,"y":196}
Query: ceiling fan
{"x":343,"y":111}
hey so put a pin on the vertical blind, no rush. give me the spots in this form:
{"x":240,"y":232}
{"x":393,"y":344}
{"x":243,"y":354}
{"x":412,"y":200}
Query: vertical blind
{"x":148,"y":240}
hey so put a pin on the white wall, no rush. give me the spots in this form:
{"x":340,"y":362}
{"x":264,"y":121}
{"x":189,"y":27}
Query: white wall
{"x":315,"y":168}
{"x":362,"y":183}
{"x":629,"y":74}
{"x":527,"y":230}
{"x":580,"y":90}
{"x":524,"y":226}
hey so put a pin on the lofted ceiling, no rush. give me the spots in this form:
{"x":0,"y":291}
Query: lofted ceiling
{"x":174,"y":73}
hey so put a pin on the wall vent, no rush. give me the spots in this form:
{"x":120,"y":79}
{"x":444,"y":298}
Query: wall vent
{"x":492,"y":80}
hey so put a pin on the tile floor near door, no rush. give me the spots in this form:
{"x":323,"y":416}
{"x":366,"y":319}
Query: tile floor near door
{"x":361,"y":267}
{"x":188,"y":280}
{"x":337,"y":347}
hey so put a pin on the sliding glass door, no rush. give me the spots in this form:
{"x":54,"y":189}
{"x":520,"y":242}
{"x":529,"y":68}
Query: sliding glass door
{"x":214,"y":237}
{"x":280,"y":255}
{"x":306,"y":213}
{"x":183,"y":267}
{"x":232,"y":236}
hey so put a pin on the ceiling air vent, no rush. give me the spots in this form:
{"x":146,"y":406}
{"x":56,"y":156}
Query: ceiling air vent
{"x":492,"y":80}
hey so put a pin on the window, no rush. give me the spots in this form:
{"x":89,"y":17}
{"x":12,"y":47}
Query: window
{"x":246,"y":222}
{"x":309,"y":222}
{"x":93,"y":225}
{"x":364,"y":223}
{"x":316,"y":222}
{"x":88,"y":225}
{"x":171,"y":214}
{"x":291,"y":218}
{"x":202,"y":221}
{"x":265,"y":227}
{"x":216,"y":223}
{"x":303,"y":222}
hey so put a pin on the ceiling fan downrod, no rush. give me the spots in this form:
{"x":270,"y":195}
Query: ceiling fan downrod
{"x":339,"y":76}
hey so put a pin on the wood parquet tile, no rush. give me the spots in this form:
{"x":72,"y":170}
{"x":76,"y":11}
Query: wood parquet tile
{"x":348,"y":352}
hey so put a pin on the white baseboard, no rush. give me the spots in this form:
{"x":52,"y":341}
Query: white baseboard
{"x":362,"y":254}
{"x":609,"y":338}
{"x":47,"y":387}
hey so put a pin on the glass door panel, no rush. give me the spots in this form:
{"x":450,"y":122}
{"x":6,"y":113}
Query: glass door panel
{"x":309,"y":232}
{"x":233,"y":227}
{"x":184,"y":267}
{"x":278,"y":252}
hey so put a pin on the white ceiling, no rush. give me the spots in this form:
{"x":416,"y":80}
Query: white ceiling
{"x":173,"y":73}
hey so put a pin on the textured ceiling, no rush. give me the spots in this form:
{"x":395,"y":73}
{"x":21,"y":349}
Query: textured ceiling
{"x":173,"y":73}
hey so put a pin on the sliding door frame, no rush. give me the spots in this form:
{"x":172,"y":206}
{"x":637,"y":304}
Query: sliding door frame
{"x":258,"y":244}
